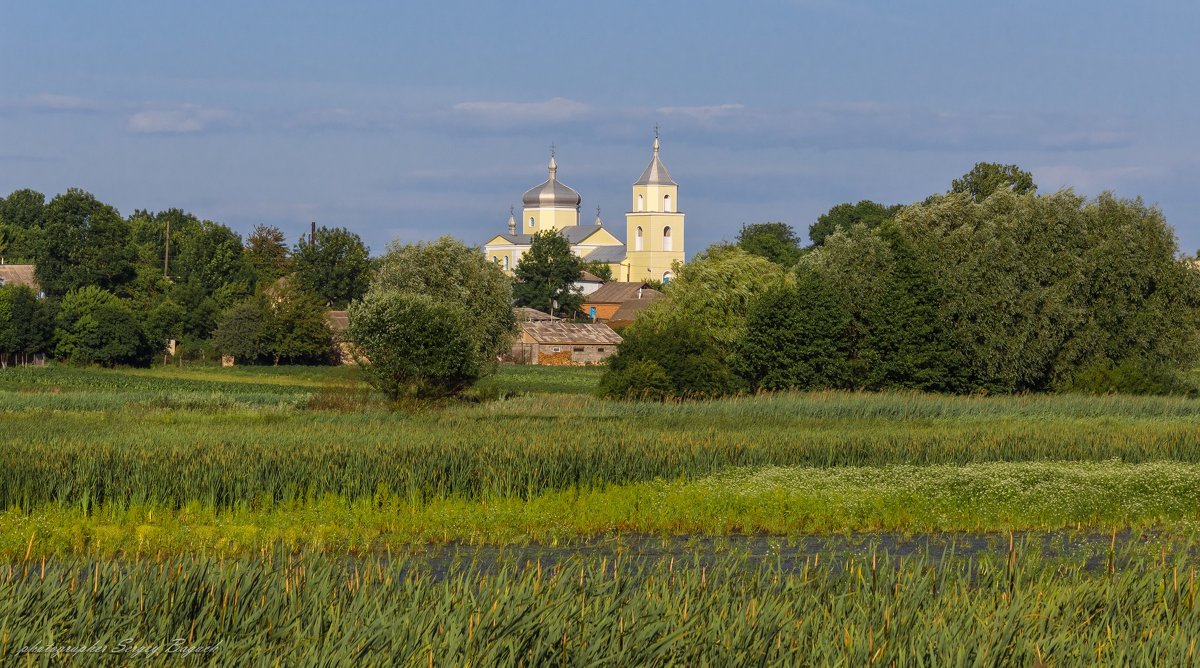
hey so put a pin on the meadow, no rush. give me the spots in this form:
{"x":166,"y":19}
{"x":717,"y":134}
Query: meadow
{"x":301,"y":494}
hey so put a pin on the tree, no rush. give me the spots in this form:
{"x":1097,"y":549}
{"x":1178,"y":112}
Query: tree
{"x":267,"y":254}
{"x":336,"y":266}
{"x":796,"y":337}
{"x":415,"y":345}
{"x":675,"y":359}
{"x":85,"y":243}
{"x":547,"y":273}
{"x":714,"y":292}
{"x":97,"y":327}
{"x":775,"y":241}
{"x":601,"y":270}
{"x":449,"y":271}
{"x":26,"y":325}
{"x":22,"y":219}
{"x":242,"y":331}
{"x":296,"y":331}
{"x":842,"y":217}
{"x":986,"y":178}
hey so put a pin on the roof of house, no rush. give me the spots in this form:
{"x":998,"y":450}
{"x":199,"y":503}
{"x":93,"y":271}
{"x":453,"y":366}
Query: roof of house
{"x":526,"y":314}
{"x":619,"y":292}
{"x":629,"y":310}
{"x":589,"y":277}
{"x":18,"y":274}
{"x":570,"y":333}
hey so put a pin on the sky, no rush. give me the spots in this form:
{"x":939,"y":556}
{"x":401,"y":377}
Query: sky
{"x":406,"y":121}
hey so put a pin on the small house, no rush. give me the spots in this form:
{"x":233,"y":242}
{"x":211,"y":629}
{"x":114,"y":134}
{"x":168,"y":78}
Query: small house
{"x":563,"y":343}
{"x":603,"y":304}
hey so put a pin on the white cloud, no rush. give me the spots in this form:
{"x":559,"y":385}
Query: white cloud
{"x":47,"y":102}
{"x":182,"y":120}
{"x":558,"y":109}
{"x":703,"y":112}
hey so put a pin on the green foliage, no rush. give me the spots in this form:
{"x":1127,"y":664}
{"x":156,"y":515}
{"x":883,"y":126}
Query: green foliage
{"x":601,"y":270}
{"x":22,"y":221}
{"x":843,"y":217}
{"x":242,"y":331}
{"x":986,"y":178}
{"x":26,"y":324}
{"x":796,"y":337}
{"x":267,"y":255}
{"x":775,"y":241}
{"x":546,"y":275}
{"x":336,"y":266}
{"x":713,"y":292}
{"x":415,"y":346}
{"x":97,"y":327}
{"x":449,"y":271}
{"x":674,"y":360}
{"x":1131,"y":376}
{"x":85,"y":243}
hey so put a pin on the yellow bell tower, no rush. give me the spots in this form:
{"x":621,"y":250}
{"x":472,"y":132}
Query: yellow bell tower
{"x":654,"y":225}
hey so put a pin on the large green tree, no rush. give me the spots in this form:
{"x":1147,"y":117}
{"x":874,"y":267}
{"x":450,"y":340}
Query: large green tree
{"x":546,"y":275}
{"x":267,"y":254}
{"x":26,"y":325}
{"x":415,"y":345}
{"x":843,"y":217}
{"x":335,"y":266}
{"x":97,"y":327}
{"x":672,"y":359}
{"x":986,"y":178}
{"x":449,"y":271}
{"x":22,"y":221}
{"x":777,"y":242}
{"x":85,"y":243}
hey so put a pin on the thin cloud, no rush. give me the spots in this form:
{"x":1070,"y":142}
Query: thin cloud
{"x":47,"y":102}
{"x":703,"y":112}
{"x":557,"y":109}
{"x":188,"y":119}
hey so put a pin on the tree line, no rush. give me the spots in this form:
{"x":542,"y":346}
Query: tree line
{"x":117,"y":289}
{"x":990,"y":287}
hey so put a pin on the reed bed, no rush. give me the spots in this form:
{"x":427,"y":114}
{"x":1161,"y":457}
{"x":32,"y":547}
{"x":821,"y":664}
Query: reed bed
{"x":1135,"y":606}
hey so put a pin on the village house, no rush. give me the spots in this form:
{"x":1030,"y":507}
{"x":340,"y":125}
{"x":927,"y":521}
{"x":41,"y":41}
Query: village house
{"x":563,"y":343}
{"x":605,"y":304}
{"x":18,"y":274}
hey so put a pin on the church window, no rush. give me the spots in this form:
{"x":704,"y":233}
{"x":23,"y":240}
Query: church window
{"x":505,"y":263}
{"x":641,"y":204}
{"x":531,"y":221}
{"x":667,"y":203}
{"x":667,"y":238}
{"x":637,"y":241}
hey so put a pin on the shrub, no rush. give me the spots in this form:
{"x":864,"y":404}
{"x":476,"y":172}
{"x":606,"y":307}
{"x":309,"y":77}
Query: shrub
{"x":97,"y":327}
{"x":414,"y":346}
{"x":1130,"y":377}
{"x":671,"y":360}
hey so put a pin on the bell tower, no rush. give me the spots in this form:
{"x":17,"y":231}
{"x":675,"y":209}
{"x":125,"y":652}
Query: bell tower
{"x":654,"y":224}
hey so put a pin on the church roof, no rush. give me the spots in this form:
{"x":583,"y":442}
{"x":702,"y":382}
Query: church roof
{"x":551,"y":192}
{"x":656,"y":173}
{"x":574,"y":234}
{"x":606,"y":254}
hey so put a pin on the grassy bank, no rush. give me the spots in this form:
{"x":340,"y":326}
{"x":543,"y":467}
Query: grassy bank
{"x":1018,"y":608}
{"x":1004,"y":496}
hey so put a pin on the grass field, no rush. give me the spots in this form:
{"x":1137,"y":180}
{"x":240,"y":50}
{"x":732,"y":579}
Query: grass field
{"x":127,"y":474}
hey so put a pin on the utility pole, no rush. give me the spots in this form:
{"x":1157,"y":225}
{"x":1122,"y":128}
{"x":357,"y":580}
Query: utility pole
{"x":167,"y":253}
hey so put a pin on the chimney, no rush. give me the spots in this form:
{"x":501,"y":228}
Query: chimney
{"x":313,"y":234}
{"x":639,"y":293}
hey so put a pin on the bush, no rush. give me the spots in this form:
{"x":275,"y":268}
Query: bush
{"x":671,"y":360}
{"x":414,"y":346}
{"x":97,"y":327}
{"x":1130,"y":377}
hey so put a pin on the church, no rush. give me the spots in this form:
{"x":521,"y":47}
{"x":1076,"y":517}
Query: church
{"x":653,"y":226}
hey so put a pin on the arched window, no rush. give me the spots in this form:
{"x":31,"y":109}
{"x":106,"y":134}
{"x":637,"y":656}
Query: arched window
{"x":637,"y":241}
{"x":667,"y":238}
{"x":667,"y":277}
{"x":505,"y":263}
{"x":667,"y":203}
{"x":531,"y":221}
{"x":641,"y":204}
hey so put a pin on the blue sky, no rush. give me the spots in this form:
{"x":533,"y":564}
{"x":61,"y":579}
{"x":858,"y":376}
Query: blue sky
{"x":406,"y":121}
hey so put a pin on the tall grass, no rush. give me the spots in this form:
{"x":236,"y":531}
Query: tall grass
{"x":1138,"y":606}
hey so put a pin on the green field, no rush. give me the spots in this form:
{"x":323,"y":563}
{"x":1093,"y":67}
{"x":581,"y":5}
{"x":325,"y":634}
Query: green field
{"x":109,"y":473}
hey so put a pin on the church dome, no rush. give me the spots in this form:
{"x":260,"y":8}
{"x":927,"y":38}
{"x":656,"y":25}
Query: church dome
{"x":551,"y":193}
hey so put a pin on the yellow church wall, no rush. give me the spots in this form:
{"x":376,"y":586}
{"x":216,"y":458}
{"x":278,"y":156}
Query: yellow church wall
{"x":547,"y":218}
{"x":653,"y":198}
